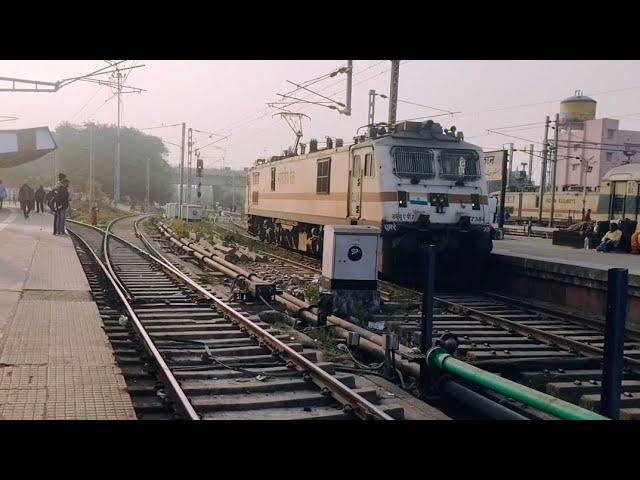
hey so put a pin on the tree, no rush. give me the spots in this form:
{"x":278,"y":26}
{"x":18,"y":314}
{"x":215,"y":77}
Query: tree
{"x":72,"y":158}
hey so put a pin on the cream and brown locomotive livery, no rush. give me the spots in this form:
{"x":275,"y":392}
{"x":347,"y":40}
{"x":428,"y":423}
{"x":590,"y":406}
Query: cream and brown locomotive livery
{"x":417,"y":183}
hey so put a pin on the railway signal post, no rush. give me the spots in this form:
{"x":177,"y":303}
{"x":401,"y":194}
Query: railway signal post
{"x":613,"y":361}
{"x":426,"y":332}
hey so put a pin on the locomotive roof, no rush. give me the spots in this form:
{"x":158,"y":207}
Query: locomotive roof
{"x":403,"y":138}
{"x":630,"y":171}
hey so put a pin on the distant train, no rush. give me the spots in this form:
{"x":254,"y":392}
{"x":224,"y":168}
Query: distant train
{"x":418,"y":183}
{"x":618,"y":195}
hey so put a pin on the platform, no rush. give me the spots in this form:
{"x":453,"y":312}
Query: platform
{"x":56,"y":362}
{"x":568,"y":277}
{"x":542,"y":249}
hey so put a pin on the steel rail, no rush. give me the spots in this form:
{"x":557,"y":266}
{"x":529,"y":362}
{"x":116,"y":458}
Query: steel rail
{"x":175,"y":391}
{"x":496,"y":320}
{"x":630,"y":333}
{"x":533,"y":332}
{"x":341,"y":392}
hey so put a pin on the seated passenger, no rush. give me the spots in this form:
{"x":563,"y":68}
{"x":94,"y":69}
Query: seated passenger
{"x":635,"y":241}
{"x":611,"y":240}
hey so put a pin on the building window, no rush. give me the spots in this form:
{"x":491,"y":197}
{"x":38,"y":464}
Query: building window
{"x":254,"y":197}
{"x":273,"y":179}
{"x":575,"y":166}
{"x":368,"y":165}
{"x":256,"y":178}
{"x":609,"y":156}
{"x":610,"y":133}
{"x":324,"y":175}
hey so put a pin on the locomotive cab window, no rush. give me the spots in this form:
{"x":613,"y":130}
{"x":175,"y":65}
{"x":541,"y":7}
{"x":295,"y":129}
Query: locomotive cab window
{"x":459,"y":165}
{"x":356,"y":168}
{"x":273,"y":179}
{"x":368,"y":165}
{"x":324,"y":175}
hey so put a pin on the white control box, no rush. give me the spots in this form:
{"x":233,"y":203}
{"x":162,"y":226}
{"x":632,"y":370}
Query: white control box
{"x":350,"y":256}
{"x":171,"y":210}
{"x":192,"y":213}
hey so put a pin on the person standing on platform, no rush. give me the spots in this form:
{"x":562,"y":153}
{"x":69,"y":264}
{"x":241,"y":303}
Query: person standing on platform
{"x":587,"y":217}
{"x":40,"y":193}
{"x":62,"y":205}
{"x":25,"y":196}
{"x":3,"y":194}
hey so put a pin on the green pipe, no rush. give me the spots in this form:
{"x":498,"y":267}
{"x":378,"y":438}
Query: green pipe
{"x":438,"y":358}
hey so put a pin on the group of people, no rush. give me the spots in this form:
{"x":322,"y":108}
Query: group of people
{"x":27,"y":198}
{"x":57,"y":200}
{"x":623,"y":233}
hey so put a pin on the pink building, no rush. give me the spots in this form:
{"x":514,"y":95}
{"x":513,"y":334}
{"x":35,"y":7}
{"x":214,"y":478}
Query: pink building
{"x":599,"y":143}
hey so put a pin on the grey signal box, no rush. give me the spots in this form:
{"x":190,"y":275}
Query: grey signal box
{"x":350,"y":257}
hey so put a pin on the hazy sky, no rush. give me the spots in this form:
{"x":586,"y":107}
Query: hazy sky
{"x":229,"y":97}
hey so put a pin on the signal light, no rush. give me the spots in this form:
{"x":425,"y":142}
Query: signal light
{"x":199,"y":167}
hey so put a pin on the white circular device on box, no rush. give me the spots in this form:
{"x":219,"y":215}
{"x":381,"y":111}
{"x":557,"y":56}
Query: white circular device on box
{"x":355,"y":253}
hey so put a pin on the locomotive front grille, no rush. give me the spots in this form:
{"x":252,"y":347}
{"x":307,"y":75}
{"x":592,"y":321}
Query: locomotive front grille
{"x":413,"y":162}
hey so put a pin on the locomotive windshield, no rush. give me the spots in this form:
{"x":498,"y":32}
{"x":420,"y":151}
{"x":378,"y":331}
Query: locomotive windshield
{"x":459,"y":164}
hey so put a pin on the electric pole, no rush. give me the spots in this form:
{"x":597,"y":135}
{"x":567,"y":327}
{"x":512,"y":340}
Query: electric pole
{"x":116,"y":183}
{"x":510,"y":165}
{"x":372,"y":110}
{"x":393,"y":92}
{"x":544,"y":168}
{"x":189,"y":160}
{"x":184,"y":126}
{"x":530,"y":160}
{"x":91,"y":166}
{"x":148,"y":182}
{"x":347,"y":109}
{"x":555,"y":166}
{"x":55,"y":169}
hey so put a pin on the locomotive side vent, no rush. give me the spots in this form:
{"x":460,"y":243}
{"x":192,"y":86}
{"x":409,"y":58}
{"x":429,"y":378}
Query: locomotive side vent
{"x":413,"y":162}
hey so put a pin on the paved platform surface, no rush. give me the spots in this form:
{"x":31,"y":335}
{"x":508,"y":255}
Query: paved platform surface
{"x":55,"y":360}
{"x":542,"y":249}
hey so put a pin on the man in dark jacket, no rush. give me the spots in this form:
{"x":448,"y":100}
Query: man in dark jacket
{"x":40,"y":193}
{"x":62,"y":205}
{"x":25,"y":197}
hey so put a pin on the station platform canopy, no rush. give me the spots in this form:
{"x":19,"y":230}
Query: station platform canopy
{"x":25,"y":145}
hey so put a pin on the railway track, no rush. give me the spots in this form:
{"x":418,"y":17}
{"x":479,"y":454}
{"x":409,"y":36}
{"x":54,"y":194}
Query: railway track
{"x":185,"y":353}
{"x":553,"y":351}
